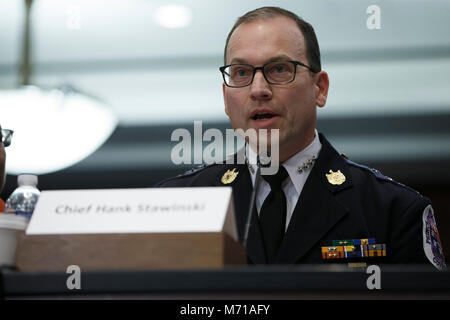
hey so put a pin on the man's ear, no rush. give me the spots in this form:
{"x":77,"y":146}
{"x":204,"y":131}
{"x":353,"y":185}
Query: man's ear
{"x":322,"y":85}
{"x":225,"y":99}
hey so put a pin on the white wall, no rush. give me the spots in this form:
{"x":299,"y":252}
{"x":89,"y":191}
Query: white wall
{"x":150,"y":74}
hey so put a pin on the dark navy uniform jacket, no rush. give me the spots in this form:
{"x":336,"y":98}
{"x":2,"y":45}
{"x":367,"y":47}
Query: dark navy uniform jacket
{"x":367,"y":205}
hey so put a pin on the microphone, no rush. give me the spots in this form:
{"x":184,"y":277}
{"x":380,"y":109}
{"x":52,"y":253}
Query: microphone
{"x":251,"y":205}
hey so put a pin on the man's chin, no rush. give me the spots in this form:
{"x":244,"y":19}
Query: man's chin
{"x":259,"y":136}
{"x":263,"y":144}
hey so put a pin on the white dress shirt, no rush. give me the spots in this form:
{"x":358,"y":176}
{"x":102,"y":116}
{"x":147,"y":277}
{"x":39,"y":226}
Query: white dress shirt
{"x":293,"y":185}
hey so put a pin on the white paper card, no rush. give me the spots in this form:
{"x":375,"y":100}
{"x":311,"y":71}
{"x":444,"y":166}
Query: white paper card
{"x":134,"y":211}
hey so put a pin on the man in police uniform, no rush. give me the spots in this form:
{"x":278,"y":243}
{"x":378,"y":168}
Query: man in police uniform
{"x":273,"y":80}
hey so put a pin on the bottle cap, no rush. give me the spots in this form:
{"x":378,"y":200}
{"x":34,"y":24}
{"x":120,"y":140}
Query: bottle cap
{"x":27,"y":180}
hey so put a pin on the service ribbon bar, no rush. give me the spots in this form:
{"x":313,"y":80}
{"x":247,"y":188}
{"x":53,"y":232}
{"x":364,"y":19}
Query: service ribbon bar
{"x":353,"y":242}
{"x":354,"y":248}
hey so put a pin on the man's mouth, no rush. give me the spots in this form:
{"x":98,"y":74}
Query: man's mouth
{"x":263,"y":116}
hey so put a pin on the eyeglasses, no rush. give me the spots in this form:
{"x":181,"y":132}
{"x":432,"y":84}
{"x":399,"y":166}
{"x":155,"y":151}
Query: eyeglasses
{"x":6,"y":136}
{"x":276,"y":72}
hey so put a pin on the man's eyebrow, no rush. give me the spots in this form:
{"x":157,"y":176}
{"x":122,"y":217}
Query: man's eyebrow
{"x":238,"y":60}
{"x":271,"y":59}
{"x":279,"y":58}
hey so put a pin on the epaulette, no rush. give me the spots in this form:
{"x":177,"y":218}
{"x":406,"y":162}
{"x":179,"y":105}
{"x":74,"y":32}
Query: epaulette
{"x":194,"y":170}
{"x":377,"y":173}
{"x":380,"y":176}
{"x":186,"y":174}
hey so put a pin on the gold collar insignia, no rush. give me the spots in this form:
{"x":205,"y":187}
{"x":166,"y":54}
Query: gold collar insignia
{"x":335,"y":178}
{"x":229,"y":176}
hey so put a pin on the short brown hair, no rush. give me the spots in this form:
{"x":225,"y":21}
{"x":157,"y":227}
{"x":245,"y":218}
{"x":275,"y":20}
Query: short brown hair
{"x":264,"y":13}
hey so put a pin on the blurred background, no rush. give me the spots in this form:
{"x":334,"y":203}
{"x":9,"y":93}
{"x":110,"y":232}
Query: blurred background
{"x":152,"y":67}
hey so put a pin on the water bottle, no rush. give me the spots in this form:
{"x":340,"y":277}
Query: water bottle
{"x":23,"y":200}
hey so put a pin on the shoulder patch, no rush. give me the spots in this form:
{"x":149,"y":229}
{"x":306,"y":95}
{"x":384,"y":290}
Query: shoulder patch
{"x":431,"y":241}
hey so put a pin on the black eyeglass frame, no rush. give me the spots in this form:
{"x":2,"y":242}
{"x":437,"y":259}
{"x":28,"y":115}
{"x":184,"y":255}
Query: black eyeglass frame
{"x":6,"y":137}
{"x":296,"y":63}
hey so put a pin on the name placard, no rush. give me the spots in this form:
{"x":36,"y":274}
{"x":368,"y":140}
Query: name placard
{"x":147,"y":210}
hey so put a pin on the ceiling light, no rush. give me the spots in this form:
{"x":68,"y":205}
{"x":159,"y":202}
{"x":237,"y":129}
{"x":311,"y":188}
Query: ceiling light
{"x":53,"y":129}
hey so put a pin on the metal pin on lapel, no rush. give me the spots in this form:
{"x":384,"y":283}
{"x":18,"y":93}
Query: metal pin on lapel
{"x":229,"y":176}
{"x":335,"y":178}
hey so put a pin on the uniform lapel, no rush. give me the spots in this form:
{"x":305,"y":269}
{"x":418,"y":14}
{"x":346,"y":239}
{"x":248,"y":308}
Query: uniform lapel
{"x":242,"y":188}
{"x":317,"y":209}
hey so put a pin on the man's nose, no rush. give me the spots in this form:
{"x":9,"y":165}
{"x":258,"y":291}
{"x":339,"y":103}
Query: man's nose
{"x":260,"y":88}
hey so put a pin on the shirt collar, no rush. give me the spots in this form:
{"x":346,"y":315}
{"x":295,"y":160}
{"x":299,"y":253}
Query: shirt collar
{"x":291,"y":165}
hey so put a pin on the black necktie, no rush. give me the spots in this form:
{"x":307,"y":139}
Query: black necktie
{"x":273,"y":214}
